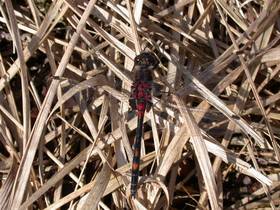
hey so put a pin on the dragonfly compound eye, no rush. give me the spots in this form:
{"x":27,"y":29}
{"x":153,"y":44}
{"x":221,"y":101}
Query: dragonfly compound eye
{"x":146,"y":60}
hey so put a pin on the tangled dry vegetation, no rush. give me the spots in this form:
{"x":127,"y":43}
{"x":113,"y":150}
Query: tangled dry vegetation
{"x":211,"y":140}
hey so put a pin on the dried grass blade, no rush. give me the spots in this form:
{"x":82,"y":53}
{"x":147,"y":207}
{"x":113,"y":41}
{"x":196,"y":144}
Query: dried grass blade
{"x":115,"y":182}
{"x":114,"y":22}
{"x":254,"y":90}
{"x":98,"y":80}
{"x":207,"y":29}
{"x":235,"y":17}
{"x":112,"y":66}
{"x":220,"y":105}
{"x":138,"y":11}
{"x":6,"y":188}
{"x":88,"y":119}
{"x":110,"y":138}
{"x":38,"y":129}
{"x":10,"y":117}
{"x":57,"y":177}
{"x":100,"y":184}
{"x":228,"y":56}
{"x":177,"y":6}
{"x":201,"y":154}
{"x":272,"y":55}
{"x":229,"y":157}
{"x":104,"y":34}
{"x":119,"y":9}
{"x":34,"y":44}
{"x":173,"y":150}
{"x":102,"y":124}
{"x":133,"y":26}
{"x":155,"y":133}
{"x":199,"y":21}
{"x":12,"y":106}
{"x":125,"y":141}
{"x":61,"y":165}
{"x":272,"y":75}
{"x":23,"y":75}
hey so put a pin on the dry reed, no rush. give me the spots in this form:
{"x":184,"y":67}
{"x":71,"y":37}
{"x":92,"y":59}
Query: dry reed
{"x":211,"y":140}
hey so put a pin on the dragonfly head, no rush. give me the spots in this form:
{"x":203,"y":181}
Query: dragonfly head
{"x":146,"y":60}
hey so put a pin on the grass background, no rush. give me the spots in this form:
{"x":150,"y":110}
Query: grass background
{"x":211,"y":140}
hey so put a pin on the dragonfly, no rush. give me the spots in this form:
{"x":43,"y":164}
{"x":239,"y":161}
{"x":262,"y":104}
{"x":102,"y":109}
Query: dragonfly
{"x":140,"y":100}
